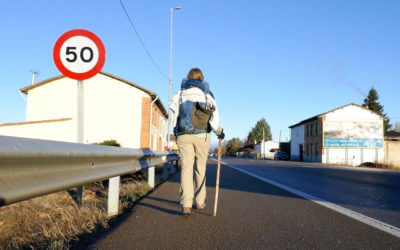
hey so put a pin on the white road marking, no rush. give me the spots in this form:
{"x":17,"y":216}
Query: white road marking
{"x":347,"y":212}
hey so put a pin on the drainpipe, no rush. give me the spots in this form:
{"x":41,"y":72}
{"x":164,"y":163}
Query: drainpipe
{"x":151,"y":119}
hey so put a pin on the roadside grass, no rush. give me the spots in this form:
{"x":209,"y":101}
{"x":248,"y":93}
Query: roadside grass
{"x":55,"y":220}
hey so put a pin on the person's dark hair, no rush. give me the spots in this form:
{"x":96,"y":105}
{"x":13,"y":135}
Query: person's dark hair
{"x":195,"y":73}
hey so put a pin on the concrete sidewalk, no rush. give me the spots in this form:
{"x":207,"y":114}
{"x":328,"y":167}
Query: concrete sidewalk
{"x":251,"y":214}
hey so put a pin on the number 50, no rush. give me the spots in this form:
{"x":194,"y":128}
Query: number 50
{"x":71,"y":51}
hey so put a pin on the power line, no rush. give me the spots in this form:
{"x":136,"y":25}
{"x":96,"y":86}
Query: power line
{"x":141,"y":41}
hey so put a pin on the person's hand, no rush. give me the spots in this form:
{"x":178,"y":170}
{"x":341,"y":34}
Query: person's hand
{"x":221,"y":135}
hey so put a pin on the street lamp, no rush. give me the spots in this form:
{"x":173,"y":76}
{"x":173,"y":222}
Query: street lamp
{"x":170,"y":75}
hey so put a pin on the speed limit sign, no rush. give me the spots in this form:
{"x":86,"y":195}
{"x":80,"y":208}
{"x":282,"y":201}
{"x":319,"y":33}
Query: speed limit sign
{"x":79,"y":54}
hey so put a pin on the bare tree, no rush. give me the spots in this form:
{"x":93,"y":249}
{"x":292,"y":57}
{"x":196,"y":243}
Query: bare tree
{"x":397,"y":126}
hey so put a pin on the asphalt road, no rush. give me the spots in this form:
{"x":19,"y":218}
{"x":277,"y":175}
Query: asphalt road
{"x":371,"y":192}
{"x":252,"y":214}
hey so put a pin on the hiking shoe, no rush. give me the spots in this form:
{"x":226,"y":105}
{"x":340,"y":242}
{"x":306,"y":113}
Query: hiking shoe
{"x":200,"y":206}
{"x":186,"y":211}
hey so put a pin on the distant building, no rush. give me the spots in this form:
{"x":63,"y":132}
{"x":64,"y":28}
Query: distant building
{"x":392,"y":148}
{"x":114,"y":109}
{"x":350,"y":135}
{"x":271,"y":147}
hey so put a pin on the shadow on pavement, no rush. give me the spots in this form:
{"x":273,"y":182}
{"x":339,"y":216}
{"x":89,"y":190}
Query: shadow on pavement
{"x":160,"y":208}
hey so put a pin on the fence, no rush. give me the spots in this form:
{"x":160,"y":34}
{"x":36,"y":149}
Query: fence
{"x":30,"y":168}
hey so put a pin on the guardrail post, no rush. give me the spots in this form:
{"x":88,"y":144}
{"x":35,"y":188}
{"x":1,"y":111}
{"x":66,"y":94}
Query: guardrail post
{"x":79,"y":195}
{"x":113,"y":195}
{"x":150,"y":176}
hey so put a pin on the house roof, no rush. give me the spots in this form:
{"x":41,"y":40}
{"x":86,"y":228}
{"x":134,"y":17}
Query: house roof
{"x":152,"y":94}
{"x":34,"y":122}
{"x":321,"y":115}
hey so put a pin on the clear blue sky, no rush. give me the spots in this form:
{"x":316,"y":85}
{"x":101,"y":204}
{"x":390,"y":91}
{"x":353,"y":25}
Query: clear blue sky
{"x":282,"y":60}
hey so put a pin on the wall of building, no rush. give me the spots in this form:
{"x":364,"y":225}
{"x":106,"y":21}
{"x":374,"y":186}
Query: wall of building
{"x":352,"y":113}
{"x":113,"y":111}
{"x":268,"y":146}
{"x":61,"y":130}
{"x":296,"y":139}
{"x":158,"y":136}
{"x":352,"y":156}
{"x":313,"y":141}
{"x":53,"y":100}
{"x":392,"y":153}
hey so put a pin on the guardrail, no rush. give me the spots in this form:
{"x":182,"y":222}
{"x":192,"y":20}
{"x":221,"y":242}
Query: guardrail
{"x":30,"y":167}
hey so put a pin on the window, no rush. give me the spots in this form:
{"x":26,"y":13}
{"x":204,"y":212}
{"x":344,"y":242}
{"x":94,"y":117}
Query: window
{"x":307,"y":149}
{"x":316,"y":148}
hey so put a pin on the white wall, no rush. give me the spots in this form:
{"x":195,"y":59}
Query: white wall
{"x":268,"y":146}
{"x":53,"y":100}
{"x":352,"y":113}
{"x":296,"y":138}
{"x":353,"y":156}
{"x":113,"y":110}
{"x":57,"y":131}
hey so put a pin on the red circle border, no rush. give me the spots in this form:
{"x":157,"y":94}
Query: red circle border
{"x":79,"y":76}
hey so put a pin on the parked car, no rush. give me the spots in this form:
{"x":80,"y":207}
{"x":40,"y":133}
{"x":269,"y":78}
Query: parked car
{"x":281,"y":156}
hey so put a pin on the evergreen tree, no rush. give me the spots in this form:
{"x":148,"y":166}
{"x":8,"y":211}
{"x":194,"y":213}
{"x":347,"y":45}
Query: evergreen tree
{"x":371,"y":102}
{"x":256,"y":133}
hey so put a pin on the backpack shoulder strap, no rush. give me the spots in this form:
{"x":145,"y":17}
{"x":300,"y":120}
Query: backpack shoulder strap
{"x":180,"y":98}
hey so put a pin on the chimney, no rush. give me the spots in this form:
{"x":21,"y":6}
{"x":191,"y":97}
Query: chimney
{"x":34,"y":73}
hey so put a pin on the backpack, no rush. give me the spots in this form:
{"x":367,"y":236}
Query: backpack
{"x":193,"y":117}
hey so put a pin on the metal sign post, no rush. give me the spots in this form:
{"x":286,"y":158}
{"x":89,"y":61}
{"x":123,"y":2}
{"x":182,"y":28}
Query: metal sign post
{"x":79,"y":129}
{"x":79,"y":113}
{"x":80,"y":54}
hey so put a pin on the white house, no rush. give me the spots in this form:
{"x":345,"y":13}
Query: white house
{"x":297,"y":143}
{"x":114,"y":109}
{"x":271,"y":147}
{"x":350,"y":135}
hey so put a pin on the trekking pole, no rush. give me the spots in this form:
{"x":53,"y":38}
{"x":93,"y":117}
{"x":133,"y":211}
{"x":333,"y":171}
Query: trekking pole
{"x":217,"y":181}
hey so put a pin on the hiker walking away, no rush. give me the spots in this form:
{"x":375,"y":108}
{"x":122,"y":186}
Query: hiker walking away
{"x":194,"y":115}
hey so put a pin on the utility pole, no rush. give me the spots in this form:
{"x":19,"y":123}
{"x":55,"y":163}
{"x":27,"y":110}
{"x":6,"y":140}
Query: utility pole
{"x":263,"y":145}
{"x":280,"y":132}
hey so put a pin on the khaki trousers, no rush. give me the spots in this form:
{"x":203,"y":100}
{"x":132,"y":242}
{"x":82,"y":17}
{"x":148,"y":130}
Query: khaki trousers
{"x":193,"y":152}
